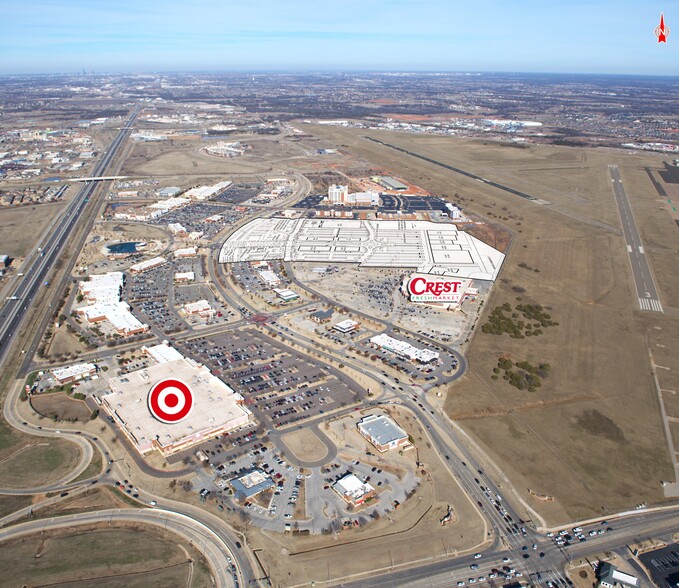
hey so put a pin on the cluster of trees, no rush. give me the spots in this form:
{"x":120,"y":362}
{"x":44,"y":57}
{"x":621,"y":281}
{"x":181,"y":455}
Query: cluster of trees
{"x":500,"y":321}
{"x":526,"y":376}
{"x":535,"y":312}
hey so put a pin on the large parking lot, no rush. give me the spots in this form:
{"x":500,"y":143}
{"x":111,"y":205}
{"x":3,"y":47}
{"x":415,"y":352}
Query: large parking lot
{"x":280,"y":386}
{"x":249,"y":279}
{"x":156,"y":312}
{"x":238,"y":193}
{"x":194,"y":218}
{"x":186,"y":294}
{"x":150,"y":285}
{"x":306,"y":496}
{"x":446,"y":362}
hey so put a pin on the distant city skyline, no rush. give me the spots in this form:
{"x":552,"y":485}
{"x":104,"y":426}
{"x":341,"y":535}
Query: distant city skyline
{"x":574,"y":36}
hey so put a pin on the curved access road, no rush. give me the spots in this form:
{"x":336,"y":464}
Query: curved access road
{"x":13,"y":418}
{"x":217,"y":526}
{"x":276,"y":437}
{"x":203,"y":538}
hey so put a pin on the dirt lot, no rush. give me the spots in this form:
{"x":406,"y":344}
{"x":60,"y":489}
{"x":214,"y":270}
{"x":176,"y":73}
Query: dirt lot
{"x":129,"y":556}
{"x":21,"y":226}
{"x":592,"y":435}
{"x":305,"y":445}
{"x":61,"y":406}
{"x":39,"y":463}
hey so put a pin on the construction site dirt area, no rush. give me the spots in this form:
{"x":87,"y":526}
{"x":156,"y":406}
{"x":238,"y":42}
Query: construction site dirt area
{"x":94,"y":255}
{"x":592,"y":435}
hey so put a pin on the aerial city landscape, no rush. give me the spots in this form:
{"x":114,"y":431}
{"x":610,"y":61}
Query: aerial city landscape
{"x":353,"y":326}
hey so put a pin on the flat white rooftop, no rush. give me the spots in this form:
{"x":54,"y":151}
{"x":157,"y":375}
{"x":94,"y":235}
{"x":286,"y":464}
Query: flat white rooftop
{"x":345,"y":326}
{"x":162,"y":353}
{"x":431,"y":248}
{"x":77,"y":370}
{"x":147,"y":264}
{"x":352,"y":486}
{"x":216,"y":405}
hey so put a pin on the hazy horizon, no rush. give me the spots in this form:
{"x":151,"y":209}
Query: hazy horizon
{"x":599,"y":37}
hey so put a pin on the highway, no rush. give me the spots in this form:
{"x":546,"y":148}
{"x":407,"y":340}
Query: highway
{"x":487,"y":488}
{"x":202,"y":537}
{"x":641,"y":271}
{"x":35,"y":274}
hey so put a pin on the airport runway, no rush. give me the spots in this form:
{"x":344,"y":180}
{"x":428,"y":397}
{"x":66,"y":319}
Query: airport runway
{"x":643,"y":278}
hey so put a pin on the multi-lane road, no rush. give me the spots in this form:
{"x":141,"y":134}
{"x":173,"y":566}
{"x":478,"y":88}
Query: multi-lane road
{"x":458,"y":453}
{"x":641,"y":271}
{"x":37,"y":270}
{"x":199,"y":534}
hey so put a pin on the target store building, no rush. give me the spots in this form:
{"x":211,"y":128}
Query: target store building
{"x":216,"y":409}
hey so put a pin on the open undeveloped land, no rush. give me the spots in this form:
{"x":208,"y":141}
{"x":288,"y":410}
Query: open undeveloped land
{"x":305,"y":445}
{"x":186,"y":158}
{"x":118,"y":556}
{"x":19,"y":227}
{"x":59,"y":406}
{"x":38,"y":463}
{"x":592,"y":435}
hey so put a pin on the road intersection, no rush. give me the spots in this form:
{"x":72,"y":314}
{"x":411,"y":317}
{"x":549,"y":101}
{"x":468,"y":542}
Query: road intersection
{"x":508,"y":534}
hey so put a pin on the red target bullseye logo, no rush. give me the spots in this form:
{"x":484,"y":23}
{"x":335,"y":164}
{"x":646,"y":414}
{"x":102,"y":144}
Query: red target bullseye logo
{"x":170,"y":401}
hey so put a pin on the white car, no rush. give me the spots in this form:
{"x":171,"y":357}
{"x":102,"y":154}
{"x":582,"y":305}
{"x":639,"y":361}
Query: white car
{"x":460,"y":583}
{"x":477,"y":556}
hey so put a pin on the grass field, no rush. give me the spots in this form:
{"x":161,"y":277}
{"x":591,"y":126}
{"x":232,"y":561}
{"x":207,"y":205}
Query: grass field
{"x":138,"y":556}
{"x":591,"y":436}
{"x":10,"y":504}
{"x":60,"y":406}
{"x":94,"y":498}
{"x":8,"y":439}
{"x":64,"y":343}
{"x":19,"y":226}
{"x":39,"y":464}
{"x":185,"y":159}
{"x":305,"y":445}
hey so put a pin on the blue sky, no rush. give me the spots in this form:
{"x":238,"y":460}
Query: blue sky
{"x":595,"y":36}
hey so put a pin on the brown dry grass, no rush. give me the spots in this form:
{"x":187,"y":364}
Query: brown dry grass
{"x":61,"y":406}
{"x":305,"y":445}
{"x":20,"y":227}
{"x":599,"y":353}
